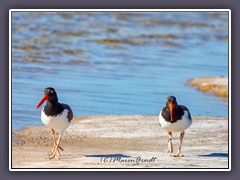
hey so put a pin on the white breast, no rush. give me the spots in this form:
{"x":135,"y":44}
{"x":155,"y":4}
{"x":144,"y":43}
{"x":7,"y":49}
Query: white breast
{"x":178,"y":126}
{"x":59,"y":122}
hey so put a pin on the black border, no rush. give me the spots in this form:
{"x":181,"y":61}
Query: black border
{"x":120,"y":169}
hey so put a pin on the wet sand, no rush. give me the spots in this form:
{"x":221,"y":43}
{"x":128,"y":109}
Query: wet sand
{"x":132,"y":142}
{"x":217,"y":85}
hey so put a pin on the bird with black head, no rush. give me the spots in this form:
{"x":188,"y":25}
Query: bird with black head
{"x":174,"y":118}
{"x":57,"y":116}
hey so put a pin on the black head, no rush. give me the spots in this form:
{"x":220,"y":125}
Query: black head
{"x":171,"y":99}
{"x":171,"y":103}
{"x":50,"y":95}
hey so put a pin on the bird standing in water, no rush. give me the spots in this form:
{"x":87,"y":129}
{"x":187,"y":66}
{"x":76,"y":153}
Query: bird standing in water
{"x":57,"y":116}
{"x":174,"y":118}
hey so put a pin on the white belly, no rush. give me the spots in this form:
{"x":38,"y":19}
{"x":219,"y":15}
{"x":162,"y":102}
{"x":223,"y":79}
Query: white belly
{"x":178,"y":126}
{"x":59,"y":122}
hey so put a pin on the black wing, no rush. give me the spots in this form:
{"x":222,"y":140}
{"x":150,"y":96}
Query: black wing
{"x":70,"y":112}
{"x":184,"y":108}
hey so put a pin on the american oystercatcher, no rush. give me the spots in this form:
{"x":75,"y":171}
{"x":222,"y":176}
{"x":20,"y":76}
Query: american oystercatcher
{"x":56,"y":116}
{"x":174,"y":118}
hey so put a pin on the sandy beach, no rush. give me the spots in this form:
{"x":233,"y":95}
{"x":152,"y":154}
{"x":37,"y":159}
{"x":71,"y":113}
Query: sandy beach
{"x":217,"y":85}
{"x":123,"y":142}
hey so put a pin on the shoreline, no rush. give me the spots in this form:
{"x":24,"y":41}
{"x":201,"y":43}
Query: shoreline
{"x":217,"y":85}
{"x":91,"y":141}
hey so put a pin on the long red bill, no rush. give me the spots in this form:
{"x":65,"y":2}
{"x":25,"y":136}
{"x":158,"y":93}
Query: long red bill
{"x":171,"y":106}
{"x":45,"y":97}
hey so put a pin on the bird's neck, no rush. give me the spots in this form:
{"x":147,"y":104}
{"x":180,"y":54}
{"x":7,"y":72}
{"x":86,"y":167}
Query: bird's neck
{"x":175,"y":109}
{"x":53,"y":108}
{"x":51,"y":104}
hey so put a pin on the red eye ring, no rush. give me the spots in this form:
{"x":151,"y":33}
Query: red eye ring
{"x":51,"y":91}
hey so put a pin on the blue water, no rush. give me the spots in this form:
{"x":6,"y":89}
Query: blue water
{"x":121,"y":63}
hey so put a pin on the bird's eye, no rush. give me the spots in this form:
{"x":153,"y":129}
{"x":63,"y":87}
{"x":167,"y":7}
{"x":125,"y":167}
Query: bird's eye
{"x":51,"y":91}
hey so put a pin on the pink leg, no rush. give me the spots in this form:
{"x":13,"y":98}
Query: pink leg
{"x":170,"y":147}
{"x":179,"y":154}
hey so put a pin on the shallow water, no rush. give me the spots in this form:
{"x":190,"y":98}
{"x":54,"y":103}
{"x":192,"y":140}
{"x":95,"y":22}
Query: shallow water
{"x":122,"y":63}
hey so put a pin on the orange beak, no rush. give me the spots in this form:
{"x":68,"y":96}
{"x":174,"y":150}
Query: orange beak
{"x":45,"y":97}
{"x":171,"y":106}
